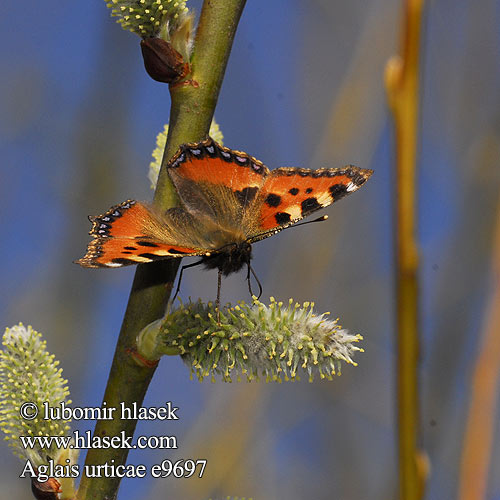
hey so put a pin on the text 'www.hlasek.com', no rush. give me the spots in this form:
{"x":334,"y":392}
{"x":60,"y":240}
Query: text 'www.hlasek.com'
{"x":181,"y":468}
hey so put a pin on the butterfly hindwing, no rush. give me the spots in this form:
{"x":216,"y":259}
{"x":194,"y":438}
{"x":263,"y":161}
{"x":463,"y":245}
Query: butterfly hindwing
{"x":290,"y":194}
{"x":130,"y":233}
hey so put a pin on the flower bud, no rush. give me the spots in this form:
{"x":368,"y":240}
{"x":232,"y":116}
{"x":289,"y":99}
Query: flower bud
{"x":46,"y":491}
{"x":162,"y":62}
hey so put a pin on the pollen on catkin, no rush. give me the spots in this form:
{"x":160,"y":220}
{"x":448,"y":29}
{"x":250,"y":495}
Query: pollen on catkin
{"x":29,"y":374}
{"x":148,"y":17}
{"x":275,"y":341}
{"x":161,"y":140}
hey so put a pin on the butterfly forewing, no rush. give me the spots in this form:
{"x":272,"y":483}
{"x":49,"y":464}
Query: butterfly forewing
{"x":219,"y":183}
{"x":208,"y":161}
{"x":290,"y":194}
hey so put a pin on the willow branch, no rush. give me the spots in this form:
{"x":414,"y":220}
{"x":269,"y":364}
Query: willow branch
{"x":480,"y":430}
{"x":402,"y":83}
{"x":190,"y":117}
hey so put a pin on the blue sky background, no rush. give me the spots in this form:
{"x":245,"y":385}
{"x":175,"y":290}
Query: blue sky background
{"x":304,"y":87}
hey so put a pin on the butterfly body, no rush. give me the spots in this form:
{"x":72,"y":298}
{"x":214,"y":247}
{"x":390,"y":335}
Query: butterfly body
{"x":228,"y":201}
{"x":231,"y":259}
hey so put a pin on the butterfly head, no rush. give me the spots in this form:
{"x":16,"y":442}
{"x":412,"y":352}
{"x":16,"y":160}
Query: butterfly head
{"x":230,"y":259}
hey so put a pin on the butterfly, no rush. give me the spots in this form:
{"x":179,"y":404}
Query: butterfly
{"x":228,"y":201}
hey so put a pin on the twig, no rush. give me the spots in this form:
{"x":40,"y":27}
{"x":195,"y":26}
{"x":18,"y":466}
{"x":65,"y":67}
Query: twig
{"x":479,"y":434}
{"x":190,"y":117}
{"x":402,"y":83}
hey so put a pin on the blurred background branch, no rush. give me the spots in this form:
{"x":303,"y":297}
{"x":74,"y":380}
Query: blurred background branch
{"x":480,"y":426}
{"x":402,"y":81}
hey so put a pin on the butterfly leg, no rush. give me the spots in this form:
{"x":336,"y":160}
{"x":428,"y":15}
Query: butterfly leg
{"x":217,"y":301}
{"x":180,"y":276}
{"x":248,"y":280}
{"x":250,"y":270}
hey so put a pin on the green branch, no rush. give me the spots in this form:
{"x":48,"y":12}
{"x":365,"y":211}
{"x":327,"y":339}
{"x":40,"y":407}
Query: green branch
{"x":193,"y":105}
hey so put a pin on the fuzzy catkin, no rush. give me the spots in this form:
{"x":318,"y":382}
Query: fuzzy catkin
{"x":29,"y":374}
{"x":147,"y":17}
{"x":274,"y":341}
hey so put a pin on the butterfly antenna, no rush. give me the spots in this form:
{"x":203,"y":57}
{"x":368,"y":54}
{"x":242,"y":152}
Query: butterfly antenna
{"x":250,"y":270}
{"x":319,"y":219}
{"x":217,"y":301}
{"x":180,"y":277}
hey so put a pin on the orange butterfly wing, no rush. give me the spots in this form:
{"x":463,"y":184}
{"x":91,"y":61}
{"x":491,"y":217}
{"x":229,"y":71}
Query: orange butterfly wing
{"x":220,"y":184}
{"x":248,"y":199}
{"x":209,"y":162}
{"x":290,"y":194}
{"x":129,"y":233}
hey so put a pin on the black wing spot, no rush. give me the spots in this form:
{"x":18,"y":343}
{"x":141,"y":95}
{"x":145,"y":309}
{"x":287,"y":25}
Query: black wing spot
{"x":130,"y":248}
{"x":147,"y":244}
{"x":273,"y":200}
{"x":151,"y":256}
{"x":282,"y":218}
{"x":309,"y":190}
{"x":338,"y":191}
{"x":294,"y":191}
{"x":175,"y":251}
{"x":127,"y":252}
{"x":246,"y":195}
{"x":309,"y":205}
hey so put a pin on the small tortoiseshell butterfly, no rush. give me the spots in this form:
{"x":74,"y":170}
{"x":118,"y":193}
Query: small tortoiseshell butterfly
{"x":228,"y":200}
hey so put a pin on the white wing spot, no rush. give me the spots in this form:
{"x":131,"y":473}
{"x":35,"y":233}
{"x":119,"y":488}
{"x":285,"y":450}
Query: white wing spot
{"x":162,"y":252}
{"x":137,"y":258}
{"x":295,"y":212}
